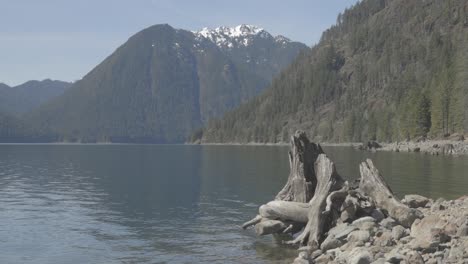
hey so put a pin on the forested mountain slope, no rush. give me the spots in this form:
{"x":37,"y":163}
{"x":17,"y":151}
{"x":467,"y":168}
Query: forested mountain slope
{"x":388,"y":70}
{"x":29,"y":95}
{"x":163,"y":83}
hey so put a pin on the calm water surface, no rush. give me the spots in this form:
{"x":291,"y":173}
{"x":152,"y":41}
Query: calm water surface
{"x":169,"y":204}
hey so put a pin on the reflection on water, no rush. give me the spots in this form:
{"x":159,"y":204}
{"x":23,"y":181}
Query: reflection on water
{"x":175,"y":204}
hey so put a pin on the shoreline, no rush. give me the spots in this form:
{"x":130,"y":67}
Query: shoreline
{"x":432,"y":147}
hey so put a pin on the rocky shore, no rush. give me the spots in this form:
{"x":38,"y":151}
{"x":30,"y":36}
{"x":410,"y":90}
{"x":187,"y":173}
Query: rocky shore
{"x":363,"y":222}
{"x":440,"y":236}
{"x":434,"y":147}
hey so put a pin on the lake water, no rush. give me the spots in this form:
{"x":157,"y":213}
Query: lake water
{"x":169,"y":203}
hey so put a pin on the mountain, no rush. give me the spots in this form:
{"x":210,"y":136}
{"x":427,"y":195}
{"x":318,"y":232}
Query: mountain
{"x":27,"y":96}
{"x":163,"y":83}
{"x":14,"y":130}
{"x":387,"y":70}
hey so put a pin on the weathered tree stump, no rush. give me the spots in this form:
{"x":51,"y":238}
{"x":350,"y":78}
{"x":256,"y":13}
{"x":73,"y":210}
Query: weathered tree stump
{"x":373,"y":185}
{"x":308,"y":197}
{"x":315,"y":198}
{"x":328,"y":181}
{"x":301,"y":182}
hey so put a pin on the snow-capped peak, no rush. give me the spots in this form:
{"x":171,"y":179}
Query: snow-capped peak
{"x":232,"y":32}
{"x":230,"y":36}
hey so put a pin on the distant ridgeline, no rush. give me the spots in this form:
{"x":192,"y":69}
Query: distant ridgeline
{"x":388,"y":70}
{"x":164,"y":83}
{"x":18,"y":100}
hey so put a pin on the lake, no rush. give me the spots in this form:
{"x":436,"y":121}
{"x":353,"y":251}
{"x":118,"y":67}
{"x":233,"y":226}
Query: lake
{"x":169,"y":203}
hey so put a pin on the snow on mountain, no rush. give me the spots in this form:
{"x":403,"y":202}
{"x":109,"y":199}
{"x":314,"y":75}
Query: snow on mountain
{"x":240,"y":35}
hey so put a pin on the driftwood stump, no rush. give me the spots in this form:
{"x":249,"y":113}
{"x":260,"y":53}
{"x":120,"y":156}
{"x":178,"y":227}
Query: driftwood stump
{"x":315,"y":198}
{"x":304,"y":199}
{"x":301,"y":182}
{"x":373,"y":185}
{"x":328,"y":181}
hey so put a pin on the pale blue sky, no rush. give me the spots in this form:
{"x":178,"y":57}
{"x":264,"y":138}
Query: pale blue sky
{"x":65,"y":39}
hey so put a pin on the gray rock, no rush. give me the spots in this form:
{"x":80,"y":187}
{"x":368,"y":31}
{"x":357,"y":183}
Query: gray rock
{"x":398,"y":232}
{"x":365,"y":223}
{"x":405,"y":240}
{"x":415,"y":201}
{"x":426,"y":246}
{"x":439,"y":235}
{"x":325,"y":258}
{"x":341,"y":231}
{"x":456,"y":254}
{"x":303,"y":258}
{"x":394,"y":257}
{"x":462,"y":231}
{"x":384,"y":240}
{"x":335,"y":253}
{"x":361,"y":220}
{"x":378,"y":215}
{"x":359,"y":256}
{"x":379,"y":261}
{"x":330,"y":243}
{"x":316,"y":253}
{"x":368,"y":226}
{"x":359,"y":237}
{"x":388,"y":223}
{"x":421,"y":229}
{"x":414,"y":257}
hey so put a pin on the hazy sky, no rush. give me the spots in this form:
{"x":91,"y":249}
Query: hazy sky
{"x":65,"y":39}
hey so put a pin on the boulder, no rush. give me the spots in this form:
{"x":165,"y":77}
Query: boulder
{"x":324,"y":258}
{"x":330,"y":243}
{"x":398,"y":232}
{"x":303,"y":258}
{"x":379,"y":261}
{"x":394,"y":257}
{"x":359,"y":255}
{"x":421,"y":229}
{"x":462,"y":231}
{"x":415,"y":201}
{"x":429,"y":233}
{"x":357,"y":238}
{"x":384,"y":240}
{"x":364,"y":223}
{"x":414,"y":257}
{"x":378,"y":215}
{"x":341,"y":230}
{"x":388,"y":223}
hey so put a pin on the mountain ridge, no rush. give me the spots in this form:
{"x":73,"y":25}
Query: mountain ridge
{"x":24,"y":97}
{"x":161,"y":85}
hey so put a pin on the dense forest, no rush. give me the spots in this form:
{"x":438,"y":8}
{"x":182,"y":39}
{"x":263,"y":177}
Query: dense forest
{"x":18,"y":100}
{"x":388,"y":70}
{"x":29,"y":95}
